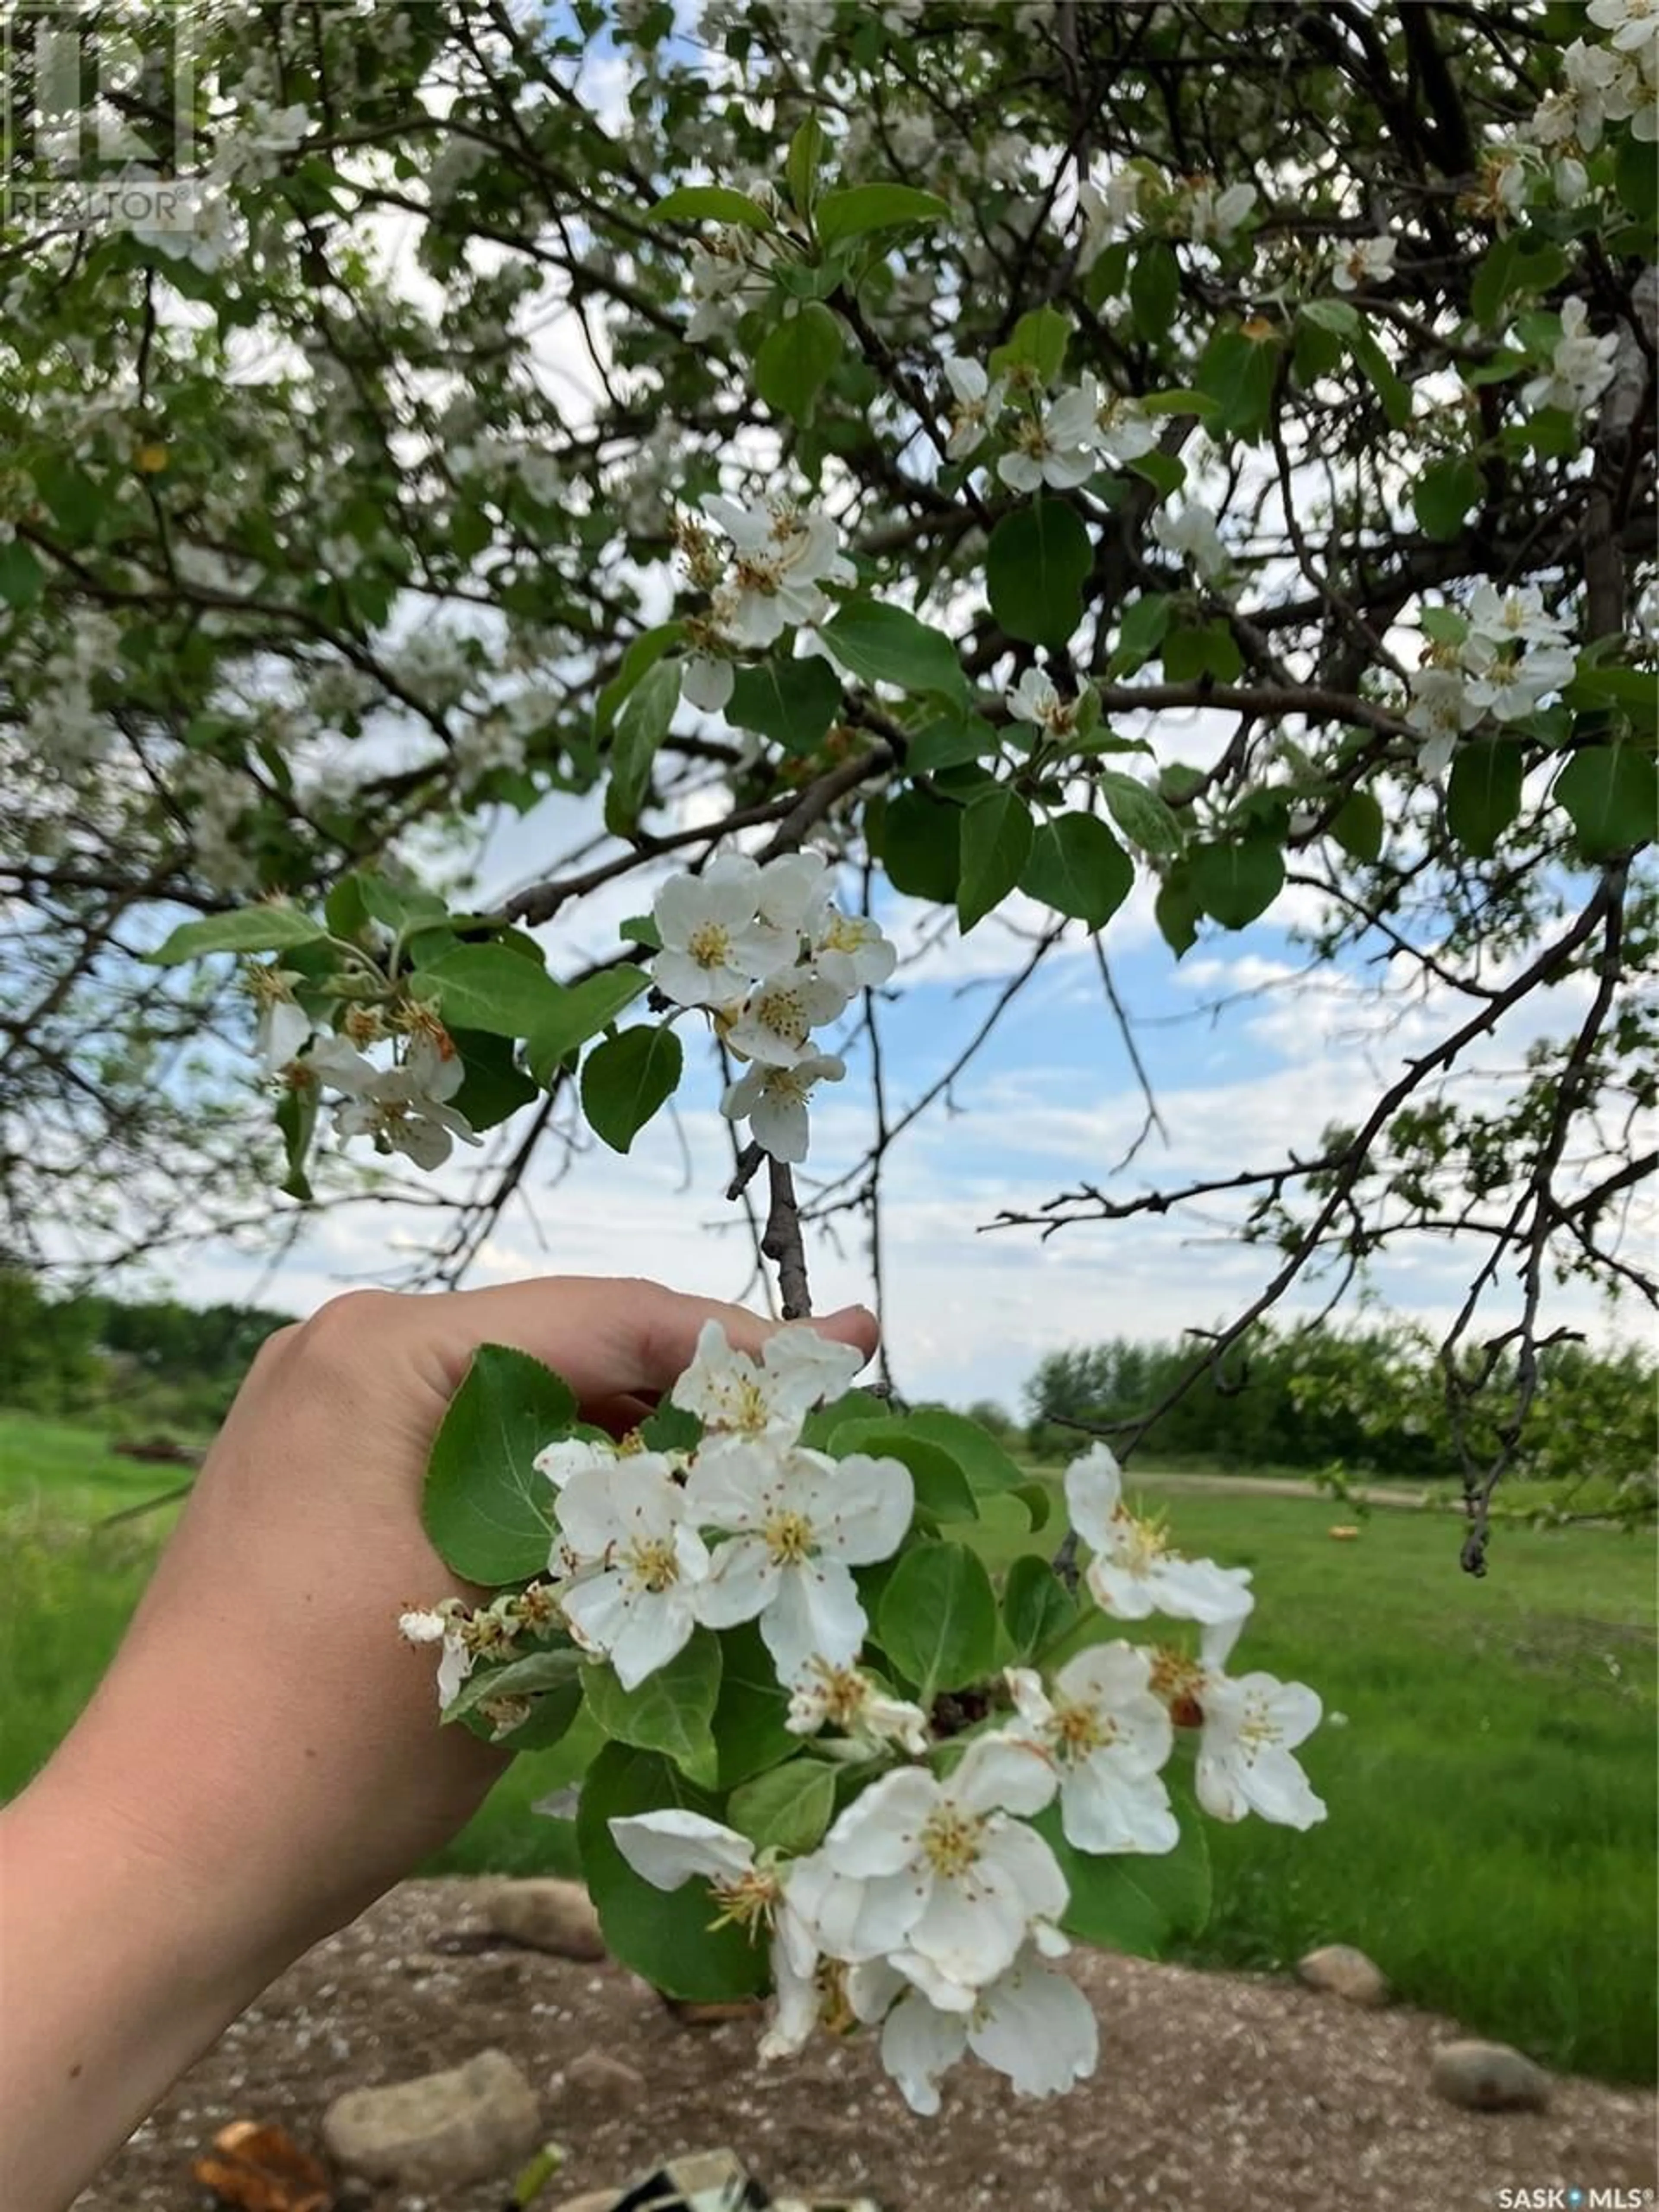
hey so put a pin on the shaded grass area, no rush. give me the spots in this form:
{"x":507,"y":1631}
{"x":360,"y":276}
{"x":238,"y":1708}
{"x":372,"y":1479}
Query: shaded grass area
{"x":1491,"y":1786}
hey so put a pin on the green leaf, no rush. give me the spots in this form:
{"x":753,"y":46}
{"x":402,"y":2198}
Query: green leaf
{"x":1166,"y":472}
{"x":1483,"y":795}
{"x":786,"y":1810}
{"x":1340,"y":316}
{"x":643,"y":653}
{"x":1037,"y":342}
{"x":1037,"y":564}
{"x":996,"y":842}
{"x":941,"y":1487}
{"x":795,"y":360}
{"x":1038,"y":1499}
{"x":671,"y":1711}
{"x":1358,"y":825}
{"x":1238,"y":374}
{"x":1176,"y":909}
{"x":1445,"y":625}
{"x":401,"y":907}
{"x":1145,"y":819}
{"x":1611,"y":793}
{"x":791,"y":701}
{"x":952,"y":742}
{"x":249,"y":929}
{"x":664,"y":1934}
{"x":1078,"y":868}
{"x":938,"y":1619}
{"x":886,"y":645}
{"x":626,"y":1080}
{"x":490,"y":987}
{"x":1491,"y":287}
{"x":921,"y":845}
{"x":642,"y":725}
{"x":488,"y":1513}
{"x":77,"y":503}
{"x":22,"y":579}
{"x":819,"y":1427}
{"x":1205,"y":649}
{"x":493,"y":1086}
{"x":710,"y":204}
{"x":1395,"y":394}
{"x":800,"y":168}
{"x":975,"y":1451}
{"x":1130,"y":1901}
{"x":1636,"y":179}
{"x":1036,"y":1605}
{"x":583,"y":1010}
{"x":1140,"y":631}
{"x":1154,"y":290}
{"x":750,"y":1718}
{"x":1235,"y":882}
{"x":1444,"y":494}
{"x":549,"y":1668}
{"x":551,"y":1719}
{"x":296,"y":1123}
{"x":857,"y":209}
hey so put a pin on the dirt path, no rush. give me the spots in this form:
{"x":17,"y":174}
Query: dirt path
{"x":1216,"y":2093}
{"x":1275,"y":1486}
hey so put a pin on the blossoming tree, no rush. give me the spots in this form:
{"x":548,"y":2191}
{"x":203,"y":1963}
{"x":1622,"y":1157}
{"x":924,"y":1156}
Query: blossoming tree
{"x":1024,"y":451}
{"x":975,"y":396}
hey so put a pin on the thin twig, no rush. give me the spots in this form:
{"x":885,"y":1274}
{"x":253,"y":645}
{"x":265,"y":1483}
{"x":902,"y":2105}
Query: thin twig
{"x":782,"y":1244}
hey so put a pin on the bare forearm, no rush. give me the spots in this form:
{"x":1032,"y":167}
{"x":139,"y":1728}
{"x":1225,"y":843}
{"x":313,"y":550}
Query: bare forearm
{"x":117,"y":1969}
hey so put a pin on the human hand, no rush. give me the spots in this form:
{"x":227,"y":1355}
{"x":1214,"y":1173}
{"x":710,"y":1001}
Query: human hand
{"x":264,"y":1749}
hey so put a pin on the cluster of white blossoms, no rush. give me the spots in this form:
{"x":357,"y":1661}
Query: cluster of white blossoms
{"x":1139,"y":195}
{"x":1614,"y":82}
{"x":1058,"y":442}
{"x":1581,"y":365}
{"x":1513,"y":655}
{"x":931,"y":1906}
{"x":767,"y":583}
{"x":772,"y":958}
{"x":404,"y":1108}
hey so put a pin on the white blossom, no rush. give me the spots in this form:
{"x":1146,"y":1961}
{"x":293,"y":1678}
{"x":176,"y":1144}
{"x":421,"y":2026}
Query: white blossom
{"x":1123,"y":430}
{"x":283,"y":1028}
{"x":1055,"y":448}
{"x":1509,"y":686}
{"x":708,"y":682}
{"x":1032,"y":2023}
{"x":1441,"y":709}
{"x":782,"y":554}
{"x":1035,"y":699}
{"x":441,"y":1624}
{"x":672,"y":1847}
{"x":1108,"y":1736}
{"x":403,"y":1108}
{"x":1581,"y":365}
{"x":635,"y":1603}
{"x":796,"y":1523}
{"x":1368,"y":261}
{"x":773,"y":1101}
{"x":853,"y":1703}
{"x":734,"y":1394}
{"x":1632,"y":24}
{"x":1213,"y":217}
{"x":938,"y":1876}
{"x":850,"y":951}
{"x":1135,"y":1571}
{"x":568,"y":1455}
{"x":778,"y":1019}
{"x":1250,"y":1726}
{"x":1515,"y":617}
{"x":1192,"y":535}
{"x":714,"y":944}
{"x":978,"y":402}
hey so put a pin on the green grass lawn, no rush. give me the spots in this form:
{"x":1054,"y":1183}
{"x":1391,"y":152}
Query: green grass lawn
{"x":1492,"y":1789}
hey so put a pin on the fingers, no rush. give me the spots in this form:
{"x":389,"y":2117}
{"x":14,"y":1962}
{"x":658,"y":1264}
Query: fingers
{"x":611,"y":1340}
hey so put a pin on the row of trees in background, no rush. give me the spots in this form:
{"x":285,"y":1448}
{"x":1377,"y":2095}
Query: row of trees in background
{"x":1371,"y":1399}
{"x":154,"y":1363}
